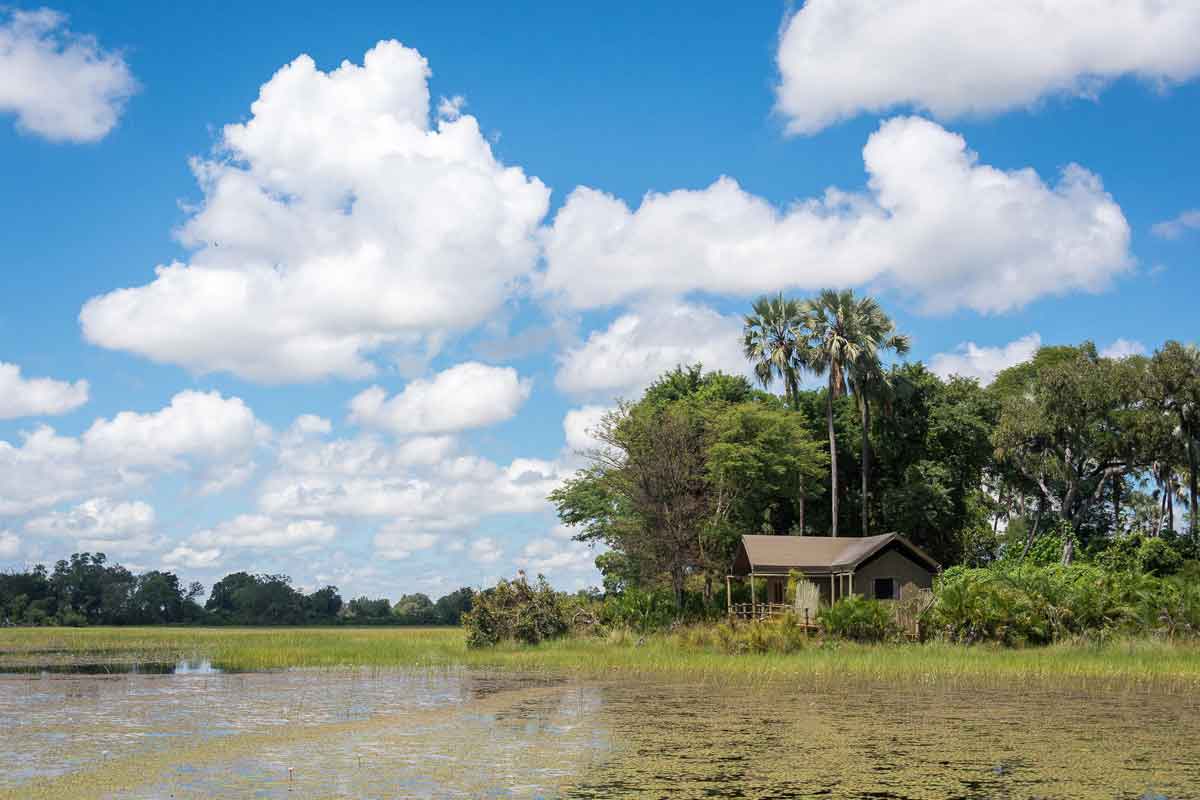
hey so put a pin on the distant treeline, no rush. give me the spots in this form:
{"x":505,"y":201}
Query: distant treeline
{"x":88,"y":590}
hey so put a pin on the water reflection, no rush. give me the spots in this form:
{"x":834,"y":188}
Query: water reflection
{"x":185,"y":667}
{"x":200,"y":733}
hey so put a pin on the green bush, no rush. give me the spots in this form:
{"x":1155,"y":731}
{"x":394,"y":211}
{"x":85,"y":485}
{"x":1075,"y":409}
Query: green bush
{"x":639,"y":610}
{"x":1038,"y":605}
{"x":516,"y":611}
{"x":858,"y":619}
{"x":1157,"y":557}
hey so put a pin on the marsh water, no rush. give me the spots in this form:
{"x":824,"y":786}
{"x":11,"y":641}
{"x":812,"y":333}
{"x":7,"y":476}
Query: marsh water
{"x":381,"y":734}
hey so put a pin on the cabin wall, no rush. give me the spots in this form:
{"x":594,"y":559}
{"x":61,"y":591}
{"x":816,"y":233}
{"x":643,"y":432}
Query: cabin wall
{"x":891,"y":564}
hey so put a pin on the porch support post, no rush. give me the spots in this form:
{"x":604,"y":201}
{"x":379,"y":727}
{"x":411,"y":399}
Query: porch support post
{"x":753,"y":598}
{"x":728,"y":595}
{"x":832,"y":589}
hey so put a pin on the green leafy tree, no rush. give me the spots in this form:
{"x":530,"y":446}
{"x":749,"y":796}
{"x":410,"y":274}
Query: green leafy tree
{"x":1174,"y":387}
{"x":1072,"y":430}
{"x":668,"y":487}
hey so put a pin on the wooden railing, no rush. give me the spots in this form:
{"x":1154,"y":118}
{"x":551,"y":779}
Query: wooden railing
{"x":759,"y":611}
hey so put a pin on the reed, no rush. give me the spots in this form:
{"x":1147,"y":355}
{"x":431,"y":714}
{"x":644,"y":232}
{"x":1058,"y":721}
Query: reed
{"x":688,"y":654}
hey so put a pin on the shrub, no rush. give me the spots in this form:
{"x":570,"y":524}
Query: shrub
{"x":1157,"y":557}
{"x":858,"y":619}
{"x":639,"y":610}
{"x":783,"y":634}
{"x":516,"y":611}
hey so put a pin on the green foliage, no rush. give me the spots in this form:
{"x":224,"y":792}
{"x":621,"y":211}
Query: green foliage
{"x":88,"y":590}
{"x":1157,"y":557}
{"x":450,"y":608}
{"x":682,"y":473}
{"x":1016,"y":605}
{"x":858,"y":619}
{"x":639,"y":610}
{"x":932,"y":454}
{"x":517,"y":611}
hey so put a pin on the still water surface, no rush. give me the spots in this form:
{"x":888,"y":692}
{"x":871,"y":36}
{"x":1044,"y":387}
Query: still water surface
{"x":313,"y":734}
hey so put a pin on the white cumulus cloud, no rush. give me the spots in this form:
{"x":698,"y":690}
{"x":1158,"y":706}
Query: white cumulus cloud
{"x":647,"y":341}
{"x":935,"y":224}
{"x":470,"y":395}
{"x":841,"y":58}
{"x":259,"y":531}
{"x":60,"y":85}
{"x":395,"y":543}
{"x":552,"y":557}
{"x":100,"y":524}
{"x":184,"y":556}
{"x":970,"y":360}
{"x":27,"y":397}
{"x":196,"y":424}
{"x":207,"y":438}
{"x":338,"y":220}
{"x":579,"y":425}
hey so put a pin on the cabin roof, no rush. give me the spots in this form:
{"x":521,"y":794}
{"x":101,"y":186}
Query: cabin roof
{"x":781,"y":554}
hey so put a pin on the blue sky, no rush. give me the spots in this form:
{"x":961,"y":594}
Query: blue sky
{"x":477,"y":241}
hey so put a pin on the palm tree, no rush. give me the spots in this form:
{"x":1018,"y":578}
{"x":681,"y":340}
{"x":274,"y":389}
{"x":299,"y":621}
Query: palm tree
{"x":842,"y":337}
{"x":869,"y":382}
{"x":770,"y":342}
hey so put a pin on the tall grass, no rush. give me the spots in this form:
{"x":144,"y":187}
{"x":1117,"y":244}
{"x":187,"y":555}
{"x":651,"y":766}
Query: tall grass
{"x":688,"y":654}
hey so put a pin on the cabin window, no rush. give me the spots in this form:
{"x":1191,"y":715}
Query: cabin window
{"x":885,"y":589}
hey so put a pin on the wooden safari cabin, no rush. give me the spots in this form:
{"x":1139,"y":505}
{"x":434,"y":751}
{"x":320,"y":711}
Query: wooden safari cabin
{"x":870,"y":566}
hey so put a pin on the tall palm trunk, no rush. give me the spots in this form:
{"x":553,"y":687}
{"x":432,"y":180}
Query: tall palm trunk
{"x":866,"y":467}
{"x":833,"y":468}
{"x":1193,"y":516}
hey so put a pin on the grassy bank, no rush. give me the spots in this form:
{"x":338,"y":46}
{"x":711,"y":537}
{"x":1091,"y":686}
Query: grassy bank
{"x":1132,"y":663}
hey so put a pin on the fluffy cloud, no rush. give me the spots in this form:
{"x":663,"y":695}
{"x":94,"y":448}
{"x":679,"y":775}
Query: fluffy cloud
{"x":336,"y":221}
{"x":195,"y":424}
{"x":1122,"y":348}
{"x":469,"y":395}
{"x":840,"y":58}
{"x":553,"y":557}
{"x":60,"y":85}
{"x":263,"y":532}
{"x":969,"y":360}
{"x":452,"y":494}
{"x":485,"y":550}
{"x":645,"y":342}
{"x":1175,"y":228}
{"x":27,"y":397}
{"x":204,"y":436}
{"x":935,"y":224}
{"x":418,"y":484}
{"x":184,"y":556}
{"x":397,"y":543}
{"x":578,"y":425}
{"x":100,"y":524}
{"x":10,"y":545}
